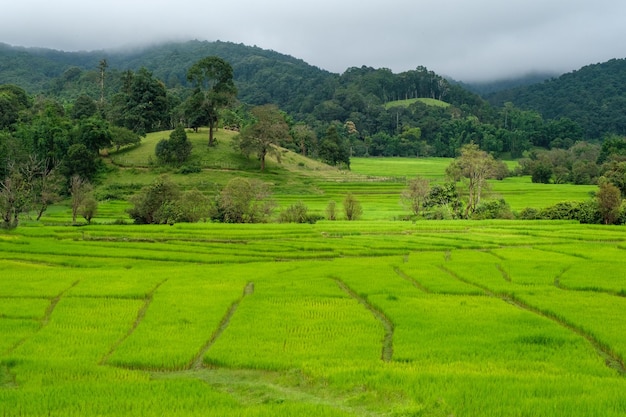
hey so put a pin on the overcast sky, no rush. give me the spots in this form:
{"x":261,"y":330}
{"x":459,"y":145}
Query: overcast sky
{"x":468,"y":40}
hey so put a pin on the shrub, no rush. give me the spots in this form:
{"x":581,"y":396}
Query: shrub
{"x":176,"y":150}
{"x":352,"y":207}
{"x":331,"y":210}
{"x":244,"y":201}
{"x":149,"y":202}
{"x":297,"y":213}
{"x":494,"y":209}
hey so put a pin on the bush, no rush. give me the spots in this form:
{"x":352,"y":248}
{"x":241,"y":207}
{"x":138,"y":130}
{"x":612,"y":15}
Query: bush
{"x":331,"y":210}
{"x":529,"y":213}
{"x":297,"y":213}
{"x":176,"y":150}
{"x":244,"y":201}
{"x":494,"y":209}
{"x":149,"y":203}
{"x":352,"y":207}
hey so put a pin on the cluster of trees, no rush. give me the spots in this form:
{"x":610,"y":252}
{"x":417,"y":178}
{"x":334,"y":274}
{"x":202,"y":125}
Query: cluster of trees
{"x":180,"y":92}
{"x":582,"y":163}
{"x":473,"y":168}
{"x":241,"y":200}
{"x":593,"y":96}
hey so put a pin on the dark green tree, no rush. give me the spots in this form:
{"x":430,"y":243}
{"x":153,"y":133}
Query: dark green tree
{"x":80,"y":161}
{"x":214,"y":76}
{"x":175,"y":150}
{"x":333,"y":149}
{"x":84,"y":107}
{"x":142,"y":106}
{"x":94,"y":133}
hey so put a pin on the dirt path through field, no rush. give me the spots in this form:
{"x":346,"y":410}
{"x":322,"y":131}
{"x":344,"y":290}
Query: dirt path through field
{"x":611,"y":359}
{"x":140,"y":315}
{"x":45,"y":319}
{"x":387,"y":350}
{"x":412,"y":280}
{"x":197,"y":361}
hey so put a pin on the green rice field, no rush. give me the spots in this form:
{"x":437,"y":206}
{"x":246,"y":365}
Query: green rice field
{"x":366,"y":318}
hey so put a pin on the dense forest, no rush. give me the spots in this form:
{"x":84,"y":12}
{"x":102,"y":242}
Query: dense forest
{"x":64,"y":107}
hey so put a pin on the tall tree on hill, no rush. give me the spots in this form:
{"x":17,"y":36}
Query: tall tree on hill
{"x":142,"y":105}
{"x":215,"y":77}
{"x":102,"y":66}
{"x":265,"y":134}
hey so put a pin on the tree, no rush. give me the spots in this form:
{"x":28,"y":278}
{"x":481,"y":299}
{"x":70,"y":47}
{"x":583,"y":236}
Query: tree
{"x":445,"y":200}
{"x":333,"y":149}
{"x":352,"y":207}
{"x":102,"y":66}
{"x":89,"y":208}
{"x":142,"y":106}
{"x":121,"y":136}
{"x":476,"y":166}
{"x":331,"y":210}
{"x":14,"y":197}
{"x":94,"y":133}
{"x":84,"y":107}
{"x":609,"y":200}
{"x":414,"y":195}
{"x":45,"y":183}
{"x":176,"y":150}
{"x":215,"y":76}
{"x":304,"y":137}
{"x":244,"y":200}
{"x":80,"y":190}
{"x":154,"y":202}
{"x":80,"y":161}
{"x":265,"y":134}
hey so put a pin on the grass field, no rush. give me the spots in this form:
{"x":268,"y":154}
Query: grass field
{"x":370,"y":318}
{"x":425,"y":100}
{"x":377,"y":317}
{"x":377,"y":182}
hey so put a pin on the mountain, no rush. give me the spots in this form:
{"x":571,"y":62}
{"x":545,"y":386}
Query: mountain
{"x":261,"y":75}
{"x":484,"y":88}
{"x":593,"y":96}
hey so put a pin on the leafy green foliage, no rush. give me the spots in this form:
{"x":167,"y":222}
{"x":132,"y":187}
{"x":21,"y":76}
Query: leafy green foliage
{"x":264,"y":134}
{"x":296,"y":213}
{"x":213,"y":76}
{"x":244,"y":200}
{"x":333,"y":149}
{"x":591,"y":97}
{"x":176,"y":150}
{"x":352,"y":207}
{"x":154,"y":202}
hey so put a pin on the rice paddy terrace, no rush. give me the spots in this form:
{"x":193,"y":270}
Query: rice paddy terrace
{"x":372,"y":318}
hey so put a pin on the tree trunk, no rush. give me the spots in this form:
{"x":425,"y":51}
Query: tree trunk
{"x":211,"y":140}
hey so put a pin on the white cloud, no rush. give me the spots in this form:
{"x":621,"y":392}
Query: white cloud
{"x":466,"y":40}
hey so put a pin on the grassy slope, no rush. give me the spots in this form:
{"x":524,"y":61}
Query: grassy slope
{"x":408,"y":102}
{"x":377,"y":182}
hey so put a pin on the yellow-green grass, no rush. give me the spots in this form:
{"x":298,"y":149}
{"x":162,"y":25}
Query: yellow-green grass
{"x":425,"y":100}
{"x":493,"y":318}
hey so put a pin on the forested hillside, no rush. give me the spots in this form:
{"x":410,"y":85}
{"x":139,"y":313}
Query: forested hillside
{"x":360,"y":97}
{"x":55,"y":102}
{"x":594,"y":97}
